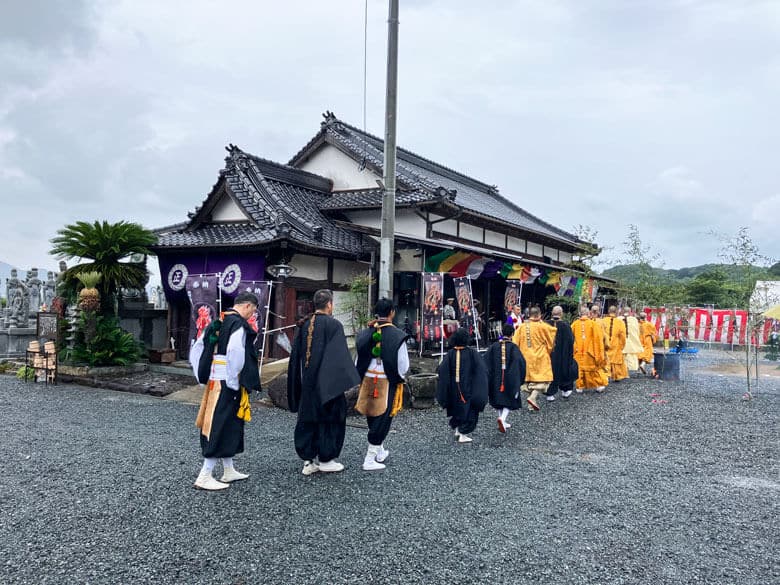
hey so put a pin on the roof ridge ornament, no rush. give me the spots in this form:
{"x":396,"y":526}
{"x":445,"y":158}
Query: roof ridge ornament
{"x":329,"y":118}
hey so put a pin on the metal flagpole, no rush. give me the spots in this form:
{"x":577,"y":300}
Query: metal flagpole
{"x":265,"y":326}
{"x":441,"y":327}
{"x":420,"y":324}
{"x":474,"y":314}
{"x":219,"y":296}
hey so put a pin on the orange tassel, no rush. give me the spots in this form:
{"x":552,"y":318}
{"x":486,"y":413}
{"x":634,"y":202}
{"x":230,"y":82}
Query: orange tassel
{"x":376,"y":390}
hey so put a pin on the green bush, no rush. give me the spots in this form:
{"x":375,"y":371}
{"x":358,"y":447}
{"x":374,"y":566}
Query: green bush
{"x":101,"y":342}
{"x":25,"y":373}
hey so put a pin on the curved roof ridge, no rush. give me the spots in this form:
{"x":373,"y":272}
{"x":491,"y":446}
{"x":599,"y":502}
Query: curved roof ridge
{"x":435,"y":166}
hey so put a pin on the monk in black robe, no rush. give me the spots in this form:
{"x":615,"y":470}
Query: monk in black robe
{"x":506,"y":373}
{"x":382,"y":363}
{"x":225,"y":359}
{"x":462,"y":386}
{"x":320,"y":371}
{"x":565,"y":369}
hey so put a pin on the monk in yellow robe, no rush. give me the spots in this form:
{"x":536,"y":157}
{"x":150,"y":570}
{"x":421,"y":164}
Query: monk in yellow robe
{"x":536,"y":340}
{"x":589,"y":352}
{"x":649,"y":336}
{"x":633,"y":341}
{"x":595,"y":314}
{"x":616,"y":334}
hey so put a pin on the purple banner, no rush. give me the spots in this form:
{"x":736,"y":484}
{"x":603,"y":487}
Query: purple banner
{"x":234,"y":268}
{"x":262,"y":290}
{"x":203,"y":293}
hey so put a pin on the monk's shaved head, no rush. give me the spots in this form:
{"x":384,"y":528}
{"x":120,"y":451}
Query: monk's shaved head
{"x":613,"y":310}
{"x":557,"y":311}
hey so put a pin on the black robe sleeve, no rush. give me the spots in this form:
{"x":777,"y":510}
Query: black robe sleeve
{"x":444,"y":381}
{"x":337,"y":372}
{"x":294,"y":374}
{"x":562,"y":357}
{"x":517,"y":357}
{"x":479,"y":381}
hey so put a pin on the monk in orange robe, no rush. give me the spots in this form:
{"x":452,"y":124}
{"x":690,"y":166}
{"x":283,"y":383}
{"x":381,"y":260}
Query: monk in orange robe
{"x":536,"y":340}
{"x":589,"y":352}
{"x":649,"y":336}
{"x":616,"y":334}
{"x":595,"y":314}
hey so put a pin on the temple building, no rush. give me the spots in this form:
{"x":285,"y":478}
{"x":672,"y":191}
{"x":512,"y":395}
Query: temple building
{"x":315,"y":222}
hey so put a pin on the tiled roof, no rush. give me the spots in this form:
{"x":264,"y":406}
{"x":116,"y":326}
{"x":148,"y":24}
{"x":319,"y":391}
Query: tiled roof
{"x":280,"y":202}
{"x":418,"y":173}
{"x":226,"y":234}
{"x":371,"y":198}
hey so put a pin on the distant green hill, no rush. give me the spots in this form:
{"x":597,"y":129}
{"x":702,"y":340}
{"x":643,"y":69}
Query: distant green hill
{"x":629,"y":273}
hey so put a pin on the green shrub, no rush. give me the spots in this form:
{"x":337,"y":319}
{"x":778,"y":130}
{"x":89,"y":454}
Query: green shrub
{"x":25,"y":373}
{"x":101,"y":342}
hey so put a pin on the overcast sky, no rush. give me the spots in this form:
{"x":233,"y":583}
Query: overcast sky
{"x":661,"y":113}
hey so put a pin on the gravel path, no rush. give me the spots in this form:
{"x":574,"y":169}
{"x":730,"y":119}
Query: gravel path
{"x":601,"y":489}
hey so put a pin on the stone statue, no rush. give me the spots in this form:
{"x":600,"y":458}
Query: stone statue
{"x":61,"y":276}
{"x":49,"y":290}
{"x":11,"y":284}
{"x":34,"y":291}
{"x":159,"y":300}
{"x":19,"y":305}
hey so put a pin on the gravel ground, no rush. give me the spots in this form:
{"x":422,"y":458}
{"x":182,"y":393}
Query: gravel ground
{"x":601,"y":489}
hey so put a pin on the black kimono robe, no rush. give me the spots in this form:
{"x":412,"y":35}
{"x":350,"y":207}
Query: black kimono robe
{"x":226,"y":438}
{"x":564,"y":366}
{"x":325,"y":374}
{"x":464,"y":400}
{"x":320,"y":371}
{"x":504,"y":390}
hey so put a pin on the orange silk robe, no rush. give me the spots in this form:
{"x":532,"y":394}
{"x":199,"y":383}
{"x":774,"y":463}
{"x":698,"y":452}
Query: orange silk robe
{"x":589,"y":353}
{"x":649,"y":336}
{"x":536,"y":340}
{"x":615,"y":329}
{"x":601,"y":321}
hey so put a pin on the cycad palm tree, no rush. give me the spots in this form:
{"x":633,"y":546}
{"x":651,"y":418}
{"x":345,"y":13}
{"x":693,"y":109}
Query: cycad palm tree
{"x":106,"y":245}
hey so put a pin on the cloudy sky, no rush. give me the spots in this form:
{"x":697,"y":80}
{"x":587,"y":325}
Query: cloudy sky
{"x":661,"y":113}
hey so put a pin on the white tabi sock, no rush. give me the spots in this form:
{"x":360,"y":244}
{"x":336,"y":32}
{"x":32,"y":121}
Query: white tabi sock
{"x":504,"y":414}
{"x":208,"y":464}
{"x":227,"y":462}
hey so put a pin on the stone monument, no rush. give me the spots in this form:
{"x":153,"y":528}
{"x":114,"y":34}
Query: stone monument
{"x":49,"y":290}
{"x":34,"y":291}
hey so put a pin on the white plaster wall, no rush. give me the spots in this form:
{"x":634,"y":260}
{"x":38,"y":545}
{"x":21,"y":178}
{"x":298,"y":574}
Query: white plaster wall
{"x":534,"y":249}
{"x":311,"y":267}
{"x":227,"y":210}
{"x":344,"y":271}
{"x":409,"y":223}
{"x":449,"y":226}
{"x":495,"y":239}
{"x":551,"y":252}
{"x":330,"y":162}
{"x":368,"y":218}
{"x":516,"y":244}
{"x":471,"y":232}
